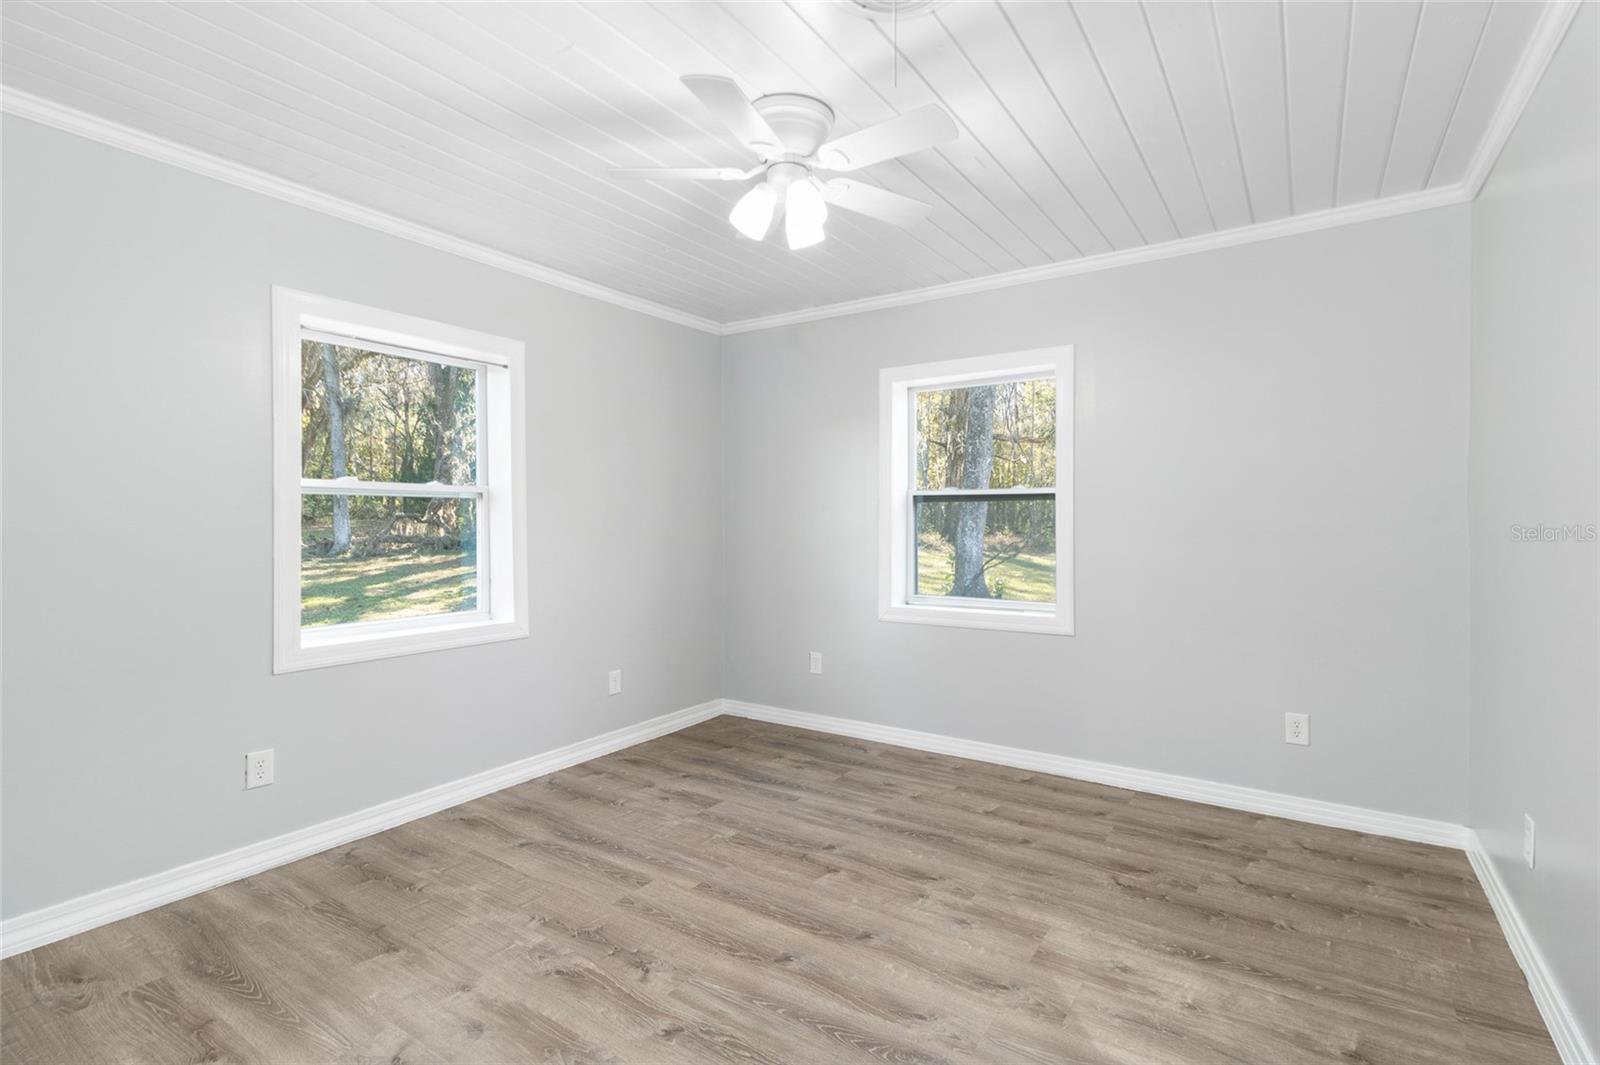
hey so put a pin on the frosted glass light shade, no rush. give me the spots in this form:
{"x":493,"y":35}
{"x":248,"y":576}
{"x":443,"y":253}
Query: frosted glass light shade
{"x":752,"y":215}
{"x":804,"y":213}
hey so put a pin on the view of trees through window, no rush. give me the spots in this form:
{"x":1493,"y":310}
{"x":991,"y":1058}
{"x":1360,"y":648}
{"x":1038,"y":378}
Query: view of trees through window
{"x":380,"y":417}
{"x":978,"y":440}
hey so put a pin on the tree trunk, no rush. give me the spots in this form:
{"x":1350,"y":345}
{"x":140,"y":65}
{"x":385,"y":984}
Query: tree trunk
{"x":333,"y":399}
{"x":977,"y":465}
{"x":958,"y":403}
{"x":449,"y":457}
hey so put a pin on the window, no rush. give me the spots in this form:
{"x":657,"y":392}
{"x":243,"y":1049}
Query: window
{"x":398,"y":463}
{"x":976,"y":518}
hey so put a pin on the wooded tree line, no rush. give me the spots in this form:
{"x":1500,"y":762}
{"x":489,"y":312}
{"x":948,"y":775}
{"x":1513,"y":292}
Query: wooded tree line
{"x":987,"y":437}
{"x":385,"y":418}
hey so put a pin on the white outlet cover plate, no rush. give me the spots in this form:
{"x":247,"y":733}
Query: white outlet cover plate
{"x":1530,"y":833}
{"x":816,"y":661}
{"x":1297,"y":729}
{"x":614,"y":682}
{"x":258,"y":769}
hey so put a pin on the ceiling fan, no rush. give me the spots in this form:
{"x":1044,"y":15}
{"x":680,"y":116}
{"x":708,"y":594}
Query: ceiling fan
{"x":789,"y":134}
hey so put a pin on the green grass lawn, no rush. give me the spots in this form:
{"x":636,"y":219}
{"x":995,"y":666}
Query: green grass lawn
{"x":1029,"y":578}
{"x":385,"y":587}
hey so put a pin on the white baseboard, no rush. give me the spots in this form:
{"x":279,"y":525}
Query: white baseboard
{"x":1558,"y":1014}
{"x":38,"y":927}
{"x":46,"y":925}
{"x":1232,"y":796}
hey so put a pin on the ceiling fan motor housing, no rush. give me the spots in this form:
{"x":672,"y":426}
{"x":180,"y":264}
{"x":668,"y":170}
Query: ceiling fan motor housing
{"x":801,"y":122}
{"x":781,"y":175}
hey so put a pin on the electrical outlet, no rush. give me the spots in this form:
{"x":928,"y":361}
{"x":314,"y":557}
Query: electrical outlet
{"x":816,"y":661}
{"x":614,"y":682}
{"x":1297,"y":729}
{"x":1529,"y":830}
{"x":258,"y":769}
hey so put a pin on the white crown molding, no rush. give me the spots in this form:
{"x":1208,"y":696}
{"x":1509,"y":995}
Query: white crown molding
{"x":1547,"y":35}
{"x":48,"y":924}
{"x":1193,"y":789}
{"x":1426,"y":200}
{"x":1558,"y":1013}
{"x":1542,"y":44}
{"x":70,"y":120}
{"x":81,"y":123}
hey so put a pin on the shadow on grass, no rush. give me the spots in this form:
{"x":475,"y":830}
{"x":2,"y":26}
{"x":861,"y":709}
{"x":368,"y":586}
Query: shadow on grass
{"x":385,"y":587}
{"x":1025,"y":578}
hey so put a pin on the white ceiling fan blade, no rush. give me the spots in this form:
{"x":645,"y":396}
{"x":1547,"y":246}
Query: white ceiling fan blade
{"x":684,"y":173}
{"x":723,"y":98}
{"x":911,"y":132}
{"x":875,"y":202}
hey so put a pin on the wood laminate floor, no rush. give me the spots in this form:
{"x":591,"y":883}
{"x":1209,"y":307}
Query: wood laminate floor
{"x":746,"y":892}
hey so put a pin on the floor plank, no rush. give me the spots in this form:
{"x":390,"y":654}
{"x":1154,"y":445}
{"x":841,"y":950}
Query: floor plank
{"x":743,"y":892}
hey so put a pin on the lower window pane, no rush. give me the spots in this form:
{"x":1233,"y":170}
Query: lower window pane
{"x":987,"y":549}
{"x":380,"y":558}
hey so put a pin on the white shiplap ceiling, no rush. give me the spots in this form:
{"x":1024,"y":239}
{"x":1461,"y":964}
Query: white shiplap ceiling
{"x":1085,"y":128}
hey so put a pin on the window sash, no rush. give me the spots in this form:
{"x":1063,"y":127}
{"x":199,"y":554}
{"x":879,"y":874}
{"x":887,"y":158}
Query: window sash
{"x":998,"y":606}
{"x":913,"y":598}
{"x":349,"y":630}
{"x":1014,"y":378}
{"x":353,"y":486}
{"x":1028,"y":492}
{"x":913,"y":494}
{"x":376,"y":347}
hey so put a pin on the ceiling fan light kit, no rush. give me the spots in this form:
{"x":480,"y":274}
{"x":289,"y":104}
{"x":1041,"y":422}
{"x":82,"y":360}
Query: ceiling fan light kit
{"x":752,"y":215}
{"x":804,"y":210}
{"x":803,"y":213}
{"x":788,"y":133}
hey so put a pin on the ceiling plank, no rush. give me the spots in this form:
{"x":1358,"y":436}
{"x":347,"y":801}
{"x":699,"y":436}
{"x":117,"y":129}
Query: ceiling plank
{"x":1506,"y":37}
{"x":1200,"y":93}
{"x":1124,"y":43}
{"x":1317,"y":36}
{"x":993,"y":47}
{"x":1447,"y":39}
{"x":1055,"y":42}
{"x":1382,"y":38}
{"x":1040,"y":201}
{"x":1250,"y":38}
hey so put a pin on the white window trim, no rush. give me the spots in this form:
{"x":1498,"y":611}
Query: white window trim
{"x":502,"y":612}
{"x":896,"y":386}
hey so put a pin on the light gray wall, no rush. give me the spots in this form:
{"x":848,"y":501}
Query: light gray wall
{"x":137,"y":539}
{"x":1535,"y":636}
{"x":1271,"y":501}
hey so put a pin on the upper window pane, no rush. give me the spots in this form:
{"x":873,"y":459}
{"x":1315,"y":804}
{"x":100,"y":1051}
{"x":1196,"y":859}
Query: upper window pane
{"x":987,"y":436}
{"x":391,"y":418}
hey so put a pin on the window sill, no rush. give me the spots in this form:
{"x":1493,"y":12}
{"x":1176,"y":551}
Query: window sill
{"x":318,"y":648}
{"x":970,"y":618}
